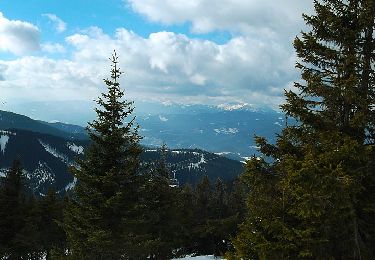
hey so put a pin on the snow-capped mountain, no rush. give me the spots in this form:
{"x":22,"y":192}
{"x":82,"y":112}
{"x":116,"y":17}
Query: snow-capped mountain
{"x":238,"y":106}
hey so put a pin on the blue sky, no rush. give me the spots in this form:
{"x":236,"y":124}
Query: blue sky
{"x":198,"y":51}
{"x":106,"y":14}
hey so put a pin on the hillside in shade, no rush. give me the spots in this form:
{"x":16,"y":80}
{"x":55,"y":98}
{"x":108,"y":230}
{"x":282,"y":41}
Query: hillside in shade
{"x":47,"y":150}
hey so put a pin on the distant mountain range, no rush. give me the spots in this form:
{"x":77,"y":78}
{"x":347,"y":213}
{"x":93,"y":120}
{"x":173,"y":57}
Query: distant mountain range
{"x":46,"y":151}
{"x":226,"y":129}
{"x":227,"y":132}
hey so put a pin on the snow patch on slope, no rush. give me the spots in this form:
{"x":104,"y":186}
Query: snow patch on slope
{"x":226,"y":131}
{"x":5,"y":132}
{"x":223,"y":153}
{"x":198,"y":164}
{"x":42,"y":174}
{"x":71,"y":185}
{"x":75,"y":148}
{"x":3,"y":172}
{"x":54,"y":152}
{"x":163,"y":119}
{"x":3,"y":142}
{"x":233,"y":107}
{"x":177,"y":152}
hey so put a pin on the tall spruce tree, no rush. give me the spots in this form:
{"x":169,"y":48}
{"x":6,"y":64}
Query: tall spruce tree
{"x":11,"y":223}
{"x":186,"y":220}
{"x":202,"y":241}
{"x":316,"y":199}
{"x":160,"y":200}
{"x":101,"y":221}
{"x":18,"y":230}
{"x":52,"y":236}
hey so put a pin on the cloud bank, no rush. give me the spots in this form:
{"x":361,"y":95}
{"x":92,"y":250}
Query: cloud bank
{"x":254,"y":66}
{"x":165,"y":65}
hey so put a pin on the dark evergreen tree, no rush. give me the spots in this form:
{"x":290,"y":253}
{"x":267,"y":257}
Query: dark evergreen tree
{"x":102,"y":220}
{"x":316,"y":200}
{"x":27,"y":240}
{"x":18,"y":231}
{"x":264,"y":203}
{"x":237,"y":200}
{"x":10,"y":208}
{"x":160,"y":200}
{"x":202,"y":242}
{"x":222,"y":223}
{"x":209,"y":217}
{"x":185,"y":216}
{"x":52,"y":236}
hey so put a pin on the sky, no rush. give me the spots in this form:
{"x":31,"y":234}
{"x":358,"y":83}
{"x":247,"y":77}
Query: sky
{"x":190,"y":52}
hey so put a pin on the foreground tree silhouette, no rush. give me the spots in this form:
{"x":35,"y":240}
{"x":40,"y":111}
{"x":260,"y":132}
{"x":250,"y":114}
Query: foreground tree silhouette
{"x":101,"y":220}
{"x":18,"y":230}
{"x":316,"y":200}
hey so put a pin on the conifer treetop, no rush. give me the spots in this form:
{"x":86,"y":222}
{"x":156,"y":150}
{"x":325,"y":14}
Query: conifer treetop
{"x":114,"y":114}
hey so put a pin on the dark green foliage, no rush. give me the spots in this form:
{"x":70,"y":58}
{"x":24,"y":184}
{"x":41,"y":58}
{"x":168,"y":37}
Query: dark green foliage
{"x":18,"y":217}
{"x":102,"y":219}
{"x":11,"y":209}
{"x":160,"y":202}
{"x":53,"y":238}
{"x":185,"y":215}
{"x":202,"y":242}
{"x":28,"y":226}
{"x":185,"y":220}
{"x":209,"y":216}
{"x":315,"y":200}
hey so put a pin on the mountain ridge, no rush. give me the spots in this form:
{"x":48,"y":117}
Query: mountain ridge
{"x":46,"y":158}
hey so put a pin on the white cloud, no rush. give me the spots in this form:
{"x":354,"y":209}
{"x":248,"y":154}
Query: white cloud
{"x":163,"y":66}
{"x":60,"y":25}
{"x":53,"y":48}
{"x":18,"y":37}
{"x":43,"y":79}
{"x":250,"y":16}
{"x":254,"y":66}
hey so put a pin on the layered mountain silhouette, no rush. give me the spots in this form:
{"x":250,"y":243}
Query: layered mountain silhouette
{"x":47,"y":150}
